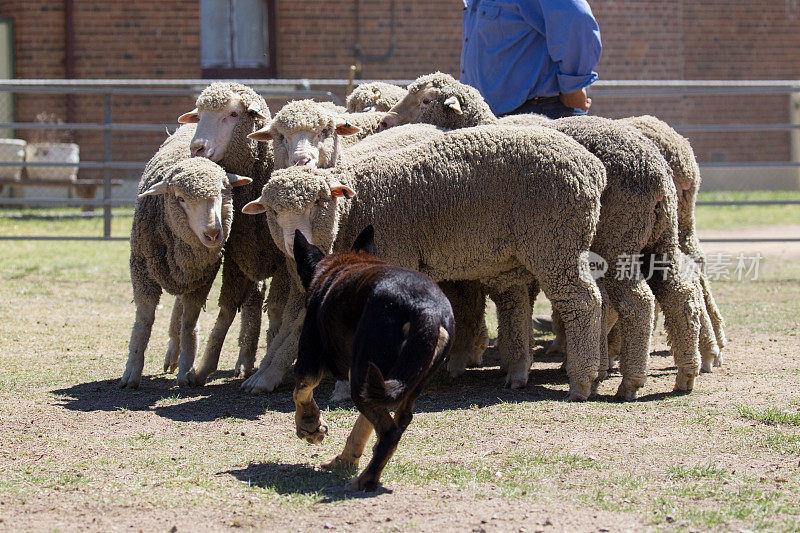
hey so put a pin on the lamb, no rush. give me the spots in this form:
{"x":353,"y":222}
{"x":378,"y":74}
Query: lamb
{"x":181,"y":220}
{"x":226,"y":113}
{"x":374,"y":96}
{"x":636,"y":218}
{"x":386,"y":328}
{"x":534,"y":191}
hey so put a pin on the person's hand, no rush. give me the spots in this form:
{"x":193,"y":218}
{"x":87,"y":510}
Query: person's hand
{"x":577,"y":100}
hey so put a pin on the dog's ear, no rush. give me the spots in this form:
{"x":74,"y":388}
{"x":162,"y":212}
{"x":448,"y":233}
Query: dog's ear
{"x":307,"y":256}
{"x":365,"y":242}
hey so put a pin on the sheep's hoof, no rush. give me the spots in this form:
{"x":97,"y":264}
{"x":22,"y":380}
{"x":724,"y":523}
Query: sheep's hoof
{"x":262,"y":381}
{"x":684,"y":382}
{"x":185,"y":379}
{"x":340,"y":462}
{"x":708,"y":357}
{"x":579,"y":392}
{"x":171,"y":359}
{"x":557,"y":346}
{"x":130,"y":379}
{"x":197,"y":378}
{"x":244,"y":367}
{"x":626,"y":392}
{"x":341,"y":391}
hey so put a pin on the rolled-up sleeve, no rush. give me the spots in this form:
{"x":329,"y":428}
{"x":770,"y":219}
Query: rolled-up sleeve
{"x":573,"y":41}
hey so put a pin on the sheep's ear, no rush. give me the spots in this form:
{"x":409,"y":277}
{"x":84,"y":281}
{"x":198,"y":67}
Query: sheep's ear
{"x":155,"y":190}
{"x":345,"y":128}
{"x":254,"y":208}
{"x":453,"y":103}
{"x":342,"y":191}
{"x":306,"y":257}
{"x":237,"y":181}
{"x":192,"y":117}
{"x":255,"y":110}
{"x":365,"y":242}
{"x":261,"y":135}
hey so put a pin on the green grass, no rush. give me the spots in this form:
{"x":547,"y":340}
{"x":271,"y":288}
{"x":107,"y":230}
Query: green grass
{"x":733,"y":217}
{"x":771,"y":416}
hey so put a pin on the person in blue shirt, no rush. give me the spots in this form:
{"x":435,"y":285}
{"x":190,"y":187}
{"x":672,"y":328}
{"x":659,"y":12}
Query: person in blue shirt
{"x":531,"y":56}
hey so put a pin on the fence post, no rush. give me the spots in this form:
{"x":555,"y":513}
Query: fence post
{"x":106,"y":161}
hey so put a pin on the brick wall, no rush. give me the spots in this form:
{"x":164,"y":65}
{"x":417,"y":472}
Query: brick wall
{"x":643,"y":39}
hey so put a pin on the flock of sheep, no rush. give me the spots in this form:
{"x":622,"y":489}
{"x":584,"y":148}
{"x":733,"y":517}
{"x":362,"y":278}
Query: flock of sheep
{"x":485,"y":206}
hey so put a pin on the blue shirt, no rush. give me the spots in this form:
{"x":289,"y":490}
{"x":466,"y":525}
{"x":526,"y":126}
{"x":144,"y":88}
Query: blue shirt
{"x":517,"y":50}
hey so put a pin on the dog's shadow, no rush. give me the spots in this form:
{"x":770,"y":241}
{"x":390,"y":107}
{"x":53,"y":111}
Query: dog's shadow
{"x":295,"y":478}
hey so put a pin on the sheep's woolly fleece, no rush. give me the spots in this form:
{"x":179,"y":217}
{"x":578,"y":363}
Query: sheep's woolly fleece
{"x":534,"y":191}
{"x":164,"y":250}
{"x":375,"y":96}
{"x":299,"y":115}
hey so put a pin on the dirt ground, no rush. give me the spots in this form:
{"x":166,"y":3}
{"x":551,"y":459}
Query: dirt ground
{"x":78,"y":453}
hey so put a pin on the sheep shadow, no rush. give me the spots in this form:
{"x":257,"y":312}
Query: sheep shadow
{"x":295,"y":478}
{"x":221,"y":397}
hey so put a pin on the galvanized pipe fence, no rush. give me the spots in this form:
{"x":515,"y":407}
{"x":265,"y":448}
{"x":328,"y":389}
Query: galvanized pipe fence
{"x":330,"y":90}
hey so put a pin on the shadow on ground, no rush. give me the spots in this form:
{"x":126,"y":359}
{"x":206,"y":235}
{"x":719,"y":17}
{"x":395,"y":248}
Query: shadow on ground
{"x":292,"y":478}
{"x":222,"y":397}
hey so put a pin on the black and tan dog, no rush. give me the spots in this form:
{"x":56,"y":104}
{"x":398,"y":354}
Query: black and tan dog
{"x":387,"y":328}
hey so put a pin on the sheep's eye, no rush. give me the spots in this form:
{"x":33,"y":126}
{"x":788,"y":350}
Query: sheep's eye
{"x":319,"y":202}
{"x":426,"y":101}
{"x":180,"y":199}
{"x":234,"y":114}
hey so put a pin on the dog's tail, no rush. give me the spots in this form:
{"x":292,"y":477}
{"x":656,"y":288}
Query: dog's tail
{"x":420,"y":354}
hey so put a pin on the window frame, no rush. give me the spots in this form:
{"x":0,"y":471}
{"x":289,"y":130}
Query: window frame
{"x":267,"y":71}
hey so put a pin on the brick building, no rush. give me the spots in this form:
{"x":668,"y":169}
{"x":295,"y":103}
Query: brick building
{"x":643,"y":39}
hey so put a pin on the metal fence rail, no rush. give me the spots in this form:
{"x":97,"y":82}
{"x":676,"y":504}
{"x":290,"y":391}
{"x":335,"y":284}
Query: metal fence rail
{"x":324,"y":89}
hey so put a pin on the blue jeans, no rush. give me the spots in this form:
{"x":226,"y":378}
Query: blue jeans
{"x":552,"y":110}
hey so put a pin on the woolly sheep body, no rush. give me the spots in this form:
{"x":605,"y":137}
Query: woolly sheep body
{"x":249,"y":257}
{"x":512,"y":185}
{"x":167,"y":255}
{"x":626,"y":223}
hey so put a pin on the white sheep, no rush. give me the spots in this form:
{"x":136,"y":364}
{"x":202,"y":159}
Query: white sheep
{"x":181,"y":220}
{"x":533,"y":191}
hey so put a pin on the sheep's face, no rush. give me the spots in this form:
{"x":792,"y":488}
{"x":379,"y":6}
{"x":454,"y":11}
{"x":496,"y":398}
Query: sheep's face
{"x":412,"y":109}
{"x":215,"y":127}
{"x":198,"y":197}
{"x":305,"y":133}
{"x":304,"y":200}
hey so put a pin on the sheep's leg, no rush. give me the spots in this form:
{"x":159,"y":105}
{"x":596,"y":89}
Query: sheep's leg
{"x":514,"y":332}
{"x":634,"y":302}
{"x":192,"y":305}
{"x":140,"y":336}
{"x":614,"y":345}
{"x":559,"y":344}
{"x":468,"y":300}
{"x":717,"y":322}
{"x":235,"y":287}
{"x":250,"y":330}
{"x":279,"y":287}
{"x":681,"y":303}
{"x":341,"y":391}
{"x":579,"y":303}
{"x":709,"y":350}
{"x":174,"y":347}
{"x":354,"y":447}
{"x":282,"y":351}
